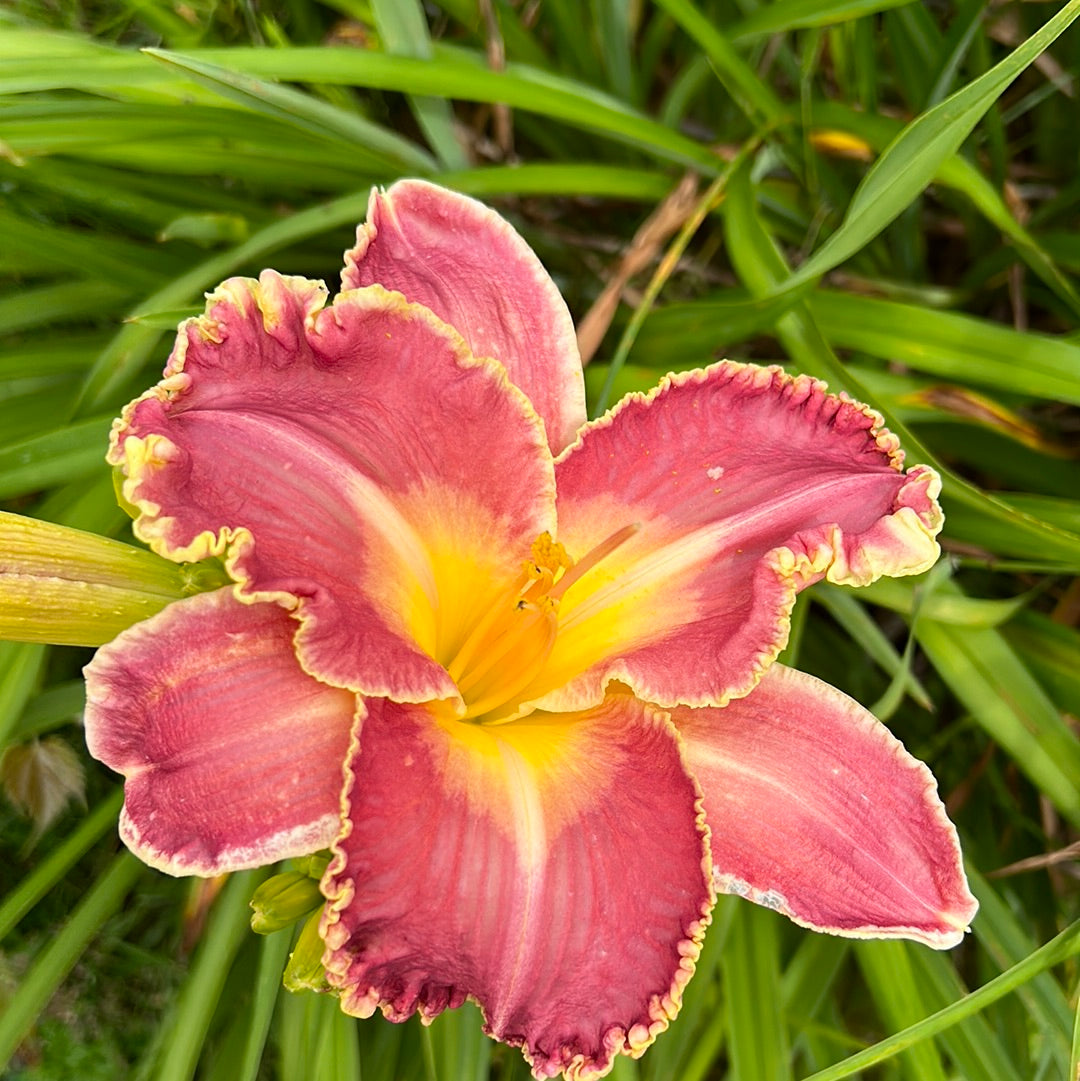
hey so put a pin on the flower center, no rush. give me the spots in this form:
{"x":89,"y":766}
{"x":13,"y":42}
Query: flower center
{"x":510,"y":643}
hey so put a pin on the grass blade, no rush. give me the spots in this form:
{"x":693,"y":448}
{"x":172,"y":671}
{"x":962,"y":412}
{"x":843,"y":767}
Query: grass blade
{"x":911,"y":160}
{"x":45,"y":460}
{"x":985,"y":674}
{"x":1058,"y":949}
{"x":20,"y":669}
{"x":403,"y":28}
{"x":1001,"y":934}
{"x":852,"y":615}
{"x":57,"y":959}
{"x":459,"y":74}
{"x":301,"y":110}
{"x":273,"y":952}
{"x":785,"y":15}
{"x":228,"y":927}
{"x":952,"y":346}
{"x":887,"y":969}
{"x":757,"y":1036}
{"x":36,"y":884}
{"x":753,"y":95}
{"x":973,"y":1044}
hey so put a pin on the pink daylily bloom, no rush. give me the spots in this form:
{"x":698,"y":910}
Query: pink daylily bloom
{"x":514,"y":668}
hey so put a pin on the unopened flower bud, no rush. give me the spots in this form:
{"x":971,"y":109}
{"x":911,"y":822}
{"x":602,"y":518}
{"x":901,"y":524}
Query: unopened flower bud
{"x":305,"y":971}
{"x":282,"y":900}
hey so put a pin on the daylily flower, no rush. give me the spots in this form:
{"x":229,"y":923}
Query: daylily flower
{"x":515,"y":669}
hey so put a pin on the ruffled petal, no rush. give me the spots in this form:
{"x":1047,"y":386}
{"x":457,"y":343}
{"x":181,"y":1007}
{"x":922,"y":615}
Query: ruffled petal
{"x":353,"y":459}
{"x":817,"y":811}
{"x":473,"y":270}
{"x":555,"y":870}
{"x":745,"y":485}
{"x":233,"y":756}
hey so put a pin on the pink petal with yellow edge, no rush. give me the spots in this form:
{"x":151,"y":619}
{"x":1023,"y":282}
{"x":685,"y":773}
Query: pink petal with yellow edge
{"x":233,"y":756}
{"x":555,"y":870}
{"x":744,"y":485}
{"x":473,"y":270}
{"x":817,"y":811}
{"x":352,"y":459}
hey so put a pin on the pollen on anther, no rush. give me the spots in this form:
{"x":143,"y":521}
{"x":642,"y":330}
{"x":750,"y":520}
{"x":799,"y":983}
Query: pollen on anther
{"x":549,"y":554}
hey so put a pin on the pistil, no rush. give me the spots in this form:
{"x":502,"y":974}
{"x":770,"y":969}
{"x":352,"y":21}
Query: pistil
{"x":592,"y":557}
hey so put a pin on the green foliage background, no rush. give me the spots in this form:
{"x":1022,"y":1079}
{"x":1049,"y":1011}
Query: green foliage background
{"x":925,"y":262}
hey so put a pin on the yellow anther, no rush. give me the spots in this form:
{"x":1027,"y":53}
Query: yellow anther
{"x":550,"y":554}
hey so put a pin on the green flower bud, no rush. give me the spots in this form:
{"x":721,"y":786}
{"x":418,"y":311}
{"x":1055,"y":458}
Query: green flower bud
{"x":305,"y":971}
{"x":314,"y":866}
{"x":282,"y":900}
{"x":74,"y":588}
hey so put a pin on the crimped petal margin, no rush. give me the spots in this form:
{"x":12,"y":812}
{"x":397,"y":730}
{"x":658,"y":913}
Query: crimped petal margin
{"x":471,"y":268}
{"x":233,"y":756}
{"x":817,"y":811}
{"x":346,"y":460}
{"x":554,"y":869}
{"x":745,"y":485}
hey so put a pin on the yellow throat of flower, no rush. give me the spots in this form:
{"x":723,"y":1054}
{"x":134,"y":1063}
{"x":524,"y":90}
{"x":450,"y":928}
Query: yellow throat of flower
{"x":507,"y":648}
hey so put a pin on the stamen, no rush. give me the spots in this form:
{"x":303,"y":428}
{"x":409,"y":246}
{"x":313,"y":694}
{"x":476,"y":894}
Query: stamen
{"x":541,"y":586}
{"x":497,"y":611}
{"x":525,"y":616}
{"x":502,"y":693}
